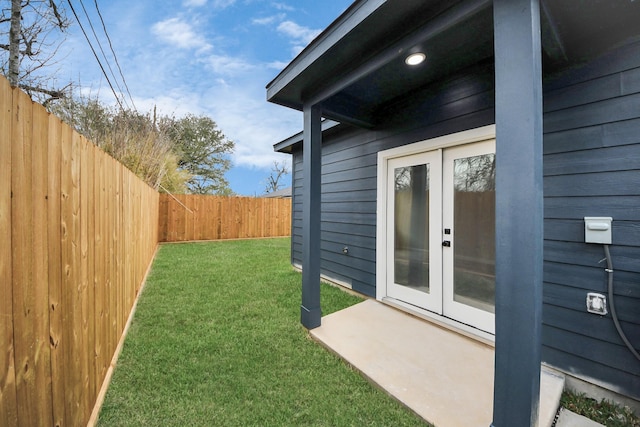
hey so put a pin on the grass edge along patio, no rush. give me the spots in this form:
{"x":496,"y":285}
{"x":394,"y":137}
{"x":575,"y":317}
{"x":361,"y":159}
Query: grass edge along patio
{"x":216,"y":341}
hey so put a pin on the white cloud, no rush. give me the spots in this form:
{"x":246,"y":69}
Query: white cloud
{"x":277,"y":65}
{"x":179,"y":68}
{"x":253,"y":124}
{"x":174,"y":103}
{"x":267,"y":20}
{"x":227,"y":65}
{"x":222,"y":4}
{"x":239,"y":108}
{"x":180,"y":33}
{"x":194,"y":3}
{"x":283,"y":6}
{"x":217,"y":4}
{"x":300,"y":34}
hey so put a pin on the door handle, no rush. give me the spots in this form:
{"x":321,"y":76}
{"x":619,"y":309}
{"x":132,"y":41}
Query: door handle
{"x":446,"y":243}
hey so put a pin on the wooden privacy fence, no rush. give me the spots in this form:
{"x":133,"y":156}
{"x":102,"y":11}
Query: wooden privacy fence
{"x":77,"y":233}
{"x":195,"y":217}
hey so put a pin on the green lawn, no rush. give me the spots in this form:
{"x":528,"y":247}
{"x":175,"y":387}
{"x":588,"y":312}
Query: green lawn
{"x":216,"y":341}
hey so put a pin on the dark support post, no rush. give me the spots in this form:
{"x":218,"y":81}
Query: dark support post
{"x":310,"y":313}
{"x":519,"y":212}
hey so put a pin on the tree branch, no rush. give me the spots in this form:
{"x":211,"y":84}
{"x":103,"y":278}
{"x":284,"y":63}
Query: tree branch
{"x":61,"y":22}
{"x":54,"y":94}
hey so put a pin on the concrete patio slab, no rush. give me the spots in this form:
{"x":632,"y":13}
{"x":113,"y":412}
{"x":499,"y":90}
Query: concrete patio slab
{"x":443,"y":376}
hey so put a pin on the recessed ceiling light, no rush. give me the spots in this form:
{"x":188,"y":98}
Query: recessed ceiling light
{"x":415,"y":58}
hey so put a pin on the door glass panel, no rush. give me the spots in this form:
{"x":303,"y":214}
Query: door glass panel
{"x":474,"y":225}
{"x":411,"y":254}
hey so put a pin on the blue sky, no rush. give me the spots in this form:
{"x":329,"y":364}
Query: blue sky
{"x":210,"y":57}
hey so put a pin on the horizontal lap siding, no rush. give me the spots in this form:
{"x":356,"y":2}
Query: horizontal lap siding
{"x":592,"y":168}
{"x":349,"y":172}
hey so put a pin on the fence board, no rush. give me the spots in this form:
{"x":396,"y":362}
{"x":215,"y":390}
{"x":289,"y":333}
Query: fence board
{"x":54,"y":154}
{"x":214,"y":218}
{"x":118,"y":261}
{"x":87,"y":199}
{"x":29,"y":289}
{"x":100,"y":327}
{"x":40,"y":275}
{"x":111,"y":239}
{"x":71,"y":280}
{"x":22,"y":226}
{"x":8,"y":405}
{"x":190,"y":220}
{"x":69,"y":275}
{"x":210,"y":218}
{"x":163,"y":218}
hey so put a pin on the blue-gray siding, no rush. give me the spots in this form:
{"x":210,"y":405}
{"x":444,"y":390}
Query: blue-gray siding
{"x":591,"y":168}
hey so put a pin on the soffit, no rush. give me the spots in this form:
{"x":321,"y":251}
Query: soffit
{"x":356,"y":67}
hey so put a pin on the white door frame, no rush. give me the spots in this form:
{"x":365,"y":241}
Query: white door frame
{"x":384,"y":248}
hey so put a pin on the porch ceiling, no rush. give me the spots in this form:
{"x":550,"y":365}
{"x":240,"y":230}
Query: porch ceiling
{"x":355,"y":69}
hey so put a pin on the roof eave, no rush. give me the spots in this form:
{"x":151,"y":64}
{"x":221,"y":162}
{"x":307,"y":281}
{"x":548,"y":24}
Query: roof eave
{"x":343,"y":25}
{"x":287,"y":145}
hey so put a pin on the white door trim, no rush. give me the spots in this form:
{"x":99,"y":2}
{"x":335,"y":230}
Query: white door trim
{"x":383,"y":251}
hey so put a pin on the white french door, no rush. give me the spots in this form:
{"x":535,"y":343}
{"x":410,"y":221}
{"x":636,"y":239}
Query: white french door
{"x":468,"y":210}
{"x":439,"y":231}
{"x":414,"y":271}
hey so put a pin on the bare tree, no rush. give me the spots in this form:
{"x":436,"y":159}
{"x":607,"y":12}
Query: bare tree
{"x":475,"y":174}
{"x":278,"y":171}
{"x":30,"y":28}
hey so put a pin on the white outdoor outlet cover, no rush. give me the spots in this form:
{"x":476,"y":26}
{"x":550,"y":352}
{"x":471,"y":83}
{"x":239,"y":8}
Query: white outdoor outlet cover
{"x":596,"y":303}
{"x":597,"y":229}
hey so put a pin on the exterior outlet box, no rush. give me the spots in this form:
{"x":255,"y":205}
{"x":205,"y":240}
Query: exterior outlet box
{"x":596,"y":303}
{"x":597,"y":229}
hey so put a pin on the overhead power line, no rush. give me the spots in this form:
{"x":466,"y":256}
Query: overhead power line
{"x":112,"y":79}
{"x":95,"y":54}
{"x":104,"y":55}
{"x":115,"y":57}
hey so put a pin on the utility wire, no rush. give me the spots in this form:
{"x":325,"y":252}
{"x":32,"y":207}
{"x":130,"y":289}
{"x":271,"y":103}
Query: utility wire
{"x":104,"y":55}
{"x":95,"y":54}
{"x":114,"y":55}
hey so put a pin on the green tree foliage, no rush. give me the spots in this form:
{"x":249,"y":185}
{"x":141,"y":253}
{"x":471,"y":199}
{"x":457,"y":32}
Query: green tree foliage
{"x":129,"y":137}
{"x":186,"y":155}
{"x":203,"y":150}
